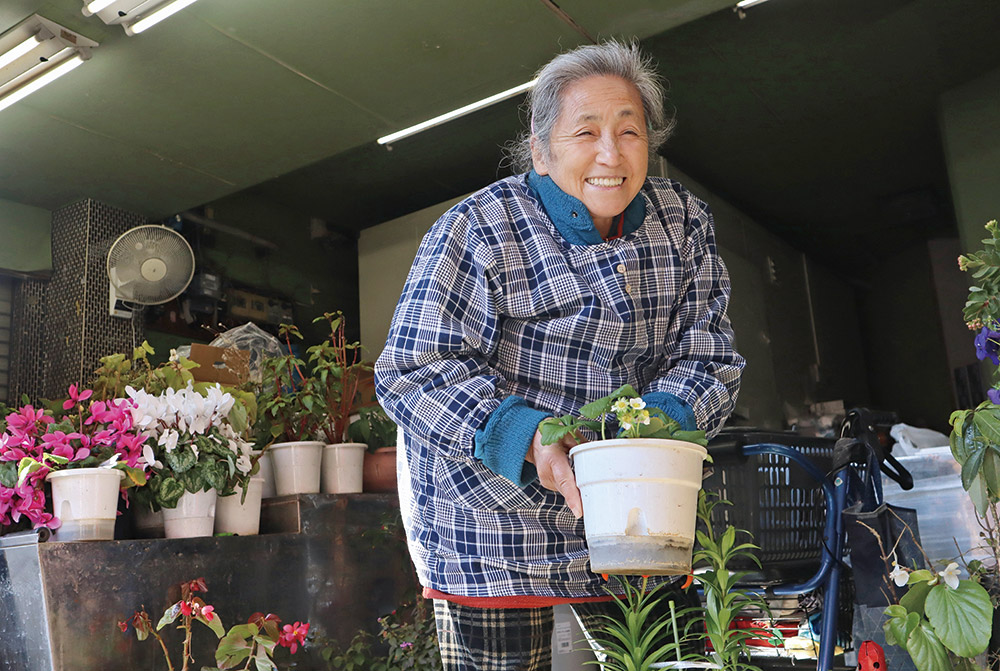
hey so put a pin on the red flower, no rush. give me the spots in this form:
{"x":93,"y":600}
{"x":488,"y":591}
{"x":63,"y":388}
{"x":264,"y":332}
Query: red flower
{"x":293,"y":635}
{"x":123,"y":626}
{"x":186,"y":608}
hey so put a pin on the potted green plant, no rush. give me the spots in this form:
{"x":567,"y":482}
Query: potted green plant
{"x":639,"y":488}
{"x":291,"y":414}
{"x":88,"y":451}
{"x":374,"y":428}
{"x":336,"y":370}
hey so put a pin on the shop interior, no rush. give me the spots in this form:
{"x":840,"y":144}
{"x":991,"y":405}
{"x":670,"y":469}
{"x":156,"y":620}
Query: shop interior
{"x":848,"y":151}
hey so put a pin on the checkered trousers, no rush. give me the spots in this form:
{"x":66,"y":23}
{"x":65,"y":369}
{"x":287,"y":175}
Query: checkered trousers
{"x":499,"y":303}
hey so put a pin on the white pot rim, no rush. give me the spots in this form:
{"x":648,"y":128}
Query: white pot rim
{"x":644,"y":443}
{"x":65,"y":472}
{"x":296,"y":443}
{"x":361,"y":445}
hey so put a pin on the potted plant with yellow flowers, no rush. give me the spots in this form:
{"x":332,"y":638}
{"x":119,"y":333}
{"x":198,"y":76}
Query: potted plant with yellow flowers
{"x":639,"y":487}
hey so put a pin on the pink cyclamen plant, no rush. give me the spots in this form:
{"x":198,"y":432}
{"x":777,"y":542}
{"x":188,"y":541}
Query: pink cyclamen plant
{"x":87,"y":434}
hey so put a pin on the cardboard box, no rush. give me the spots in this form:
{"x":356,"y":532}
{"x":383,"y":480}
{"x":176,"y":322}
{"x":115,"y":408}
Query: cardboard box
{"x":225,"y":365}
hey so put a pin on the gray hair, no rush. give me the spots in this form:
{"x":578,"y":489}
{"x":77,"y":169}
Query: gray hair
{"x":610,"y":58}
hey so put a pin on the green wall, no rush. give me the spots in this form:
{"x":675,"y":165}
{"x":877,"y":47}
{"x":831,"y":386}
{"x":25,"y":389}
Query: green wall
{"x":27,"y":238}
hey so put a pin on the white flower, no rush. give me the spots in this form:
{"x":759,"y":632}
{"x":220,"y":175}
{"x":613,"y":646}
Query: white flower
{"x":950,"y":575}
{"x":621,"y":405}
{"x":149,"y":457}
{"x":643,"y":417}
{"x":168,"y":439}
{"x":899,"y":575}
{"x":637,"y":403}
{"x":626,"y":425}
{"x":243,"y":464}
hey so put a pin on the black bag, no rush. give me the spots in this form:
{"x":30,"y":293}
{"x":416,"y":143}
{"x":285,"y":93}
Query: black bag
{"x":878,"y":533}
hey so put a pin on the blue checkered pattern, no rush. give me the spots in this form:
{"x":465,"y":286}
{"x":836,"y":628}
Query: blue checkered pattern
{"x":499,"y":303}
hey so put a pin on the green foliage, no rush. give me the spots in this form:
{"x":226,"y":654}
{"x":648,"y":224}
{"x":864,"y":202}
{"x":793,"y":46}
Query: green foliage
{"x":940,"y":626}
{"x":724,"y":600}
{"x":982,"y":307}
{"x":119,"y":370}
{"x":593,"y":417}
{"x":635,"y":642}
{"x":407,"y":640}
{"x":373,"y":427}
{"x":298,"y":401}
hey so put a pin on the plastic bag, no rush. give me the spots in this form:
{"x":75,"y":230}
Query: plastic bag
{"x":252,"y":338}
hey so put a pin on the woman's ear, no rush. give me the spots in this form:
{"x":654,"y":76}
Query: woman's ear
{"x":537,"y":159}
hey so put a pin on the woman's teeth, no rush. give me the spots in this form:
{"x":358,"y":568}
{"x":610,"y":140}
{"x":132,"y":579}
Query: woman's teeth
{"x":606,"y":181}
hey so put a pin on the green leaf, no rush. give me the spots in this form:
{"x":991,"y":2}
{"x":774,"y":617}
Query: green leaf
{"x":926,"y":651}
{"x":913,"y":600}
{"x":970,"y":469}
{"x":180,"y":459}
{"x":169,"y":492}
{"x":169,"y":615}
{"x":215,"y":624}
{"x":961,"y":617}
{"x":977,"y":492}
{"x":989,"y":425}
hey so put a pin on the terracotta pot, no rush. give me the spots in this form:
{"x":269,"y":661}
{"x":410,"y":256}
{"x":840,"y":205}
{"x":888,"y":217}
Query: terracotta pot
{"x":380,"y":470}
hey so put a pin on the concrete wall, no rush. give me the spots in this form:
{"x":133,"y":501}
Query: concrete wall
{"x":971,"y":136}
{"x":26,"y":233}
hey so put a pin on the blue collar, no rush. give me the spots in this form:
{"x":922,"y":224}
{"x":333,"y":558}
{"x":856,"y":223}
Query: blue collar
{"x":571,"y":217}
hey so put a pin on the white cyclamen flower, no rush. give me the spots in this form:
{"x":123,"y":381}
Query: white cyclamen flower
{"x":950,"y":575}
{"x":637,"y":403}
{"x":168,"y":439}
{"x":243,"y":464}
{"x":149,"y":457}
{"x":899,"y":575}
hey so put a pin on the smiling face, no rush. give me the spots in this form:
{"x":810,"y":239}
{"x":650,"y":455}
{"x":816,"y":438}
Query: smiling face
{"x":598,"y":149}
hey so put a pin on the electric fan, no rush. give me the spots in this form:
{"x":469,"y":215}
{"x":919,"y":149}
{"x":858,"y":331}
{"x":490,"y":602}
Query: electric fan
{"x":148,"y":265}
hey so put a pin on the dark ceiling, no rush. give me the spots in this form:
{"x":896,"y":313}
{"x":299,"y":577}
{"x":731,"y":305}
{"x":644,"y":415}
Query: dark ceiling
{"x":819,"y":119}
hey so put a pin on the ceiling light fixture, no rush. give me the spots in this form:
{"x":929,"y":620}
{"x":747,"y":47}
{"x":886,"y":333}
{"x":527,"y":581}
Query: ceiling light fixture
{"x":36,"y":52}
{"x":460,"y":112}
{"x":134,"y":16}
{"x":743,"y":4}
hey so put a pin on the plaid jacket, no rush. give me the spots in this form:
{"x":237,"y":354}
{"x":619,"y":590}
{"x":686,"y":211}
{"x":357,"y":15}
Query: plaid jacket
{"x":500,"y":304}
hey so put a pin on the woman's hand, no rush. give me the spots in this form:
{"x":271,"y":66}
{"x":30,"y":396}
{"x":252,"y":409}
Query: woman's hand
{"x":554,"y":470}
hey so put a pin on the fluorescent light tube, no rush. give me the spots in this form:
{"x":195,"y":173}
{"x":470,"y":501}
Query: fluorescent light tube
{"x":454,"y":114}
{"x":41,"y":80}
{"x":96,"y":6}
{"x":743,"y":4}
{"x":18,"y":51}
{"x":157,"y":16}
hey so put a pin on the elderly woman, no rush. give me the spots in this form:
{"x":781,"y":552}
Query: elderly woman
{"x":529,"y":299}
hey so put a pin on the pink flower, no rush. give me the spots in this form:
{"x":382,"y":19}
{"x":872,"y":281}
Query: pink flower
{"x":405,"y":644}
{"x":75,"y":398}
{"x":293,"y":635}
{"x":208,"y":612}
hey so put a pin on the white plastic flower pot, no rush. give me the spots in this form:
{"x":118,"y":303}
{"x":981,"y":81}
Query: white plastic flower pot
{"x":86,"y":502}
{"x":234,"y":517}
{"x":297,"y":467}
{"x":267,"y":473}
{"x":193,"y":516}
{"x":343,"y":468}
{"x":640,"y":502}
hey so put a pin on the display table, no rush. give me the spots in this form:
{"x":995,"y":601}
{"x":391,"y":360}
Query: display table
{"x":325,"y":559}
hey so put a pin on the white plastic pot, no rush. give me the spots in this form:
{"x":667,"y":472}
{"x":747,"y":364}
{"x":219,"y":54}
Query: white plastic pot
{"x":193,"y":516}
{"x":267,"y":473}
{"x":640,"y":502}
{"x":297,"y":466}
{"x":86,"y":502}
{"x":243,"y":519}
{"x":343,"y":468}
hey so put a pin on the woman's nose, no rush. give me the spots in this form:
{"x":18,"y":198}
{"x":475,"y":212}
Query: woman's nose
{"x":608,"y":152}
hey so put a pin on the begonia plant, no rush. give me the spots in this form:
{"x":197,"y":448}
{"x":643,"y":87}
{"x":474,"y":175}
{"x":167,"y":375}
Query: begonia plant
{"x":252,"y":643}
